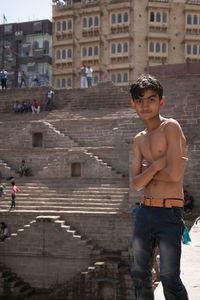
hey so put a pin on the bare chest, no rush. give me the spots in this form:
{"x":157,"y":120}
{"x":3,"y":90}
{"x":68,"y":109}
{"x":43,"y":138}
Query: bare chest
{"x":153,"y":145}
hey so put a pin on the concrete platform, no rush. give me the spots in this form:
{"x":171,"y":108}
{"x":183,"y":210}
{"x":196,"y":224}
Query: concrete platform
{"x":190,"y":267}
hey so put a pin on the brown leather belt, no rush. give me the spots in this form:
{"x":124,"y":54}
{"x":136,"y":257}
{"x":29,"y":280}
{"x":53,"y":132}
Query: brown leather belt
{"x":167,"y":202}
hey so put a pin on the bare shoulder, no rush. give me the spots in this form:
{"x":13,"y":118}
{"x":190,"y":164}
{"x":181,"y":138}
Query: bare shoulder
{"x":171,"y":124}
{"x":173,"y":128}
{"x":139,"y":136}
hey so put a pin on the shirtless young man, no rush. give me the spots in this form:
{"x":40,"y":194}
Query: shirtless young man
{"x":161,"y":146}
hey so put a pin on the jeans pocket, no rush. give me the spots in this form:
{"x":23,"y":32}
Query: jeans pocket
{"x":177,"y":215}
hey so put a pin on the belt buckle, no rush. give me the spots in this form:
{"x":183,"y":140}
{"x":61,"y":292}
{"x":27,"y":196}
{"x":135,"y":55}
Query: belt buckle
{"x":164,"y":202}
{"x":150,"y":198}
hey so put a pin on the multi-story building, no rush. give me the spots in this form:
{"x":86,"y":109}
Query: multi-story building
{"x":120,"y":39}
{"x":27,"y":47}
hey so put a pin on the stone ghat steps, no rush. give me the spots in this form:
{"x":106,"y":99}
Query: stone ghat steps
{"x":56,"y":196}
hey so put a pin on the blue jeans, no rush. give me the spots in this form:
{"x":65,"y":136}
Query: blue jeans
{"x":49,"y":104}
{"x":160,"y":227}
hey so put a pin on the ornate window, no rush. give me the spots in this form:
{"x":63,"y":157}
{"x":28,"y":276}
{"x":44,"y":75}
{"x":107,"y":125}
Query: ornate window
{"x":113,"y":17}
{"x":35,"y":45}
{"x":151,"y":47}
{"x":125,"y":47}
{"x":58,"y":83}
{"x":164,"y":17}
{"x":113,"y":48}
{"x":64,"y":25}
{"x":119,"y":18}
{"x":119,"y":48}
{"x":84,"y":52}
{"x":113,"y":77}
{"x":63,"y":83}
{"x":125,"y":77}
{"x":195,"y":20}
{"x":157,"y":47}
{"x":152,"y":16}
{"x":90,"y":51}
{"x":69,"y":24}
{"x":69,"y":82}
{"x":63,"y":54}
{"x":90,"y":23}
{"x":96,"y":21}
{"x":96,"y":50}
{"x":58,"y":54}
{"x":164,"y":48}
{"x":58,"y":26}
{"x":84,"y":23}
{"x":46,"y":47}
{"x":119,"y":78}
{"x":69,"y":53}
{"x":125,"y":17}
{"x":158,"y":17}
{"x":189,"y":19}
{"x":195,"y":49}
{"x":188,"y":49}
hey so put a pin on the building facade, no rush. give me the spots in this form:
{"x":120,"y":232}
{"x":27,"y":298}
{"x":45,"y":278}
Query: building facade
{"x":121,"y":39}
{"x":27,"y":47}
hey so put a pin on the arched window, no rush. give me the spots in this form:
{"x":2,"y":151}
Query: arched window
{"x":63,"y":83}
{"x":90,"y":51}
{"x":119,"y":48}
{"x":58,"y":54}
{"x":164,"y":48}
{"x":113,"y":19}
{"x":119,"y":18}
{"x":157,"y":47}
{"x":96,"y":79}
{"x":69,"y":53}
{"x":84,"y":53}
{"x":195,"y":20}
{"x":64,"y":25}
{"x":63,"y":54}
{"x":96,"y":21}
{"x":125,"y":47}
{"x":58,"y":83}
{"x":189,"y":19}
{"x":125,"y":17}
{"x":69,"y":82}
{"x":119,"y":77}
{"x":46,"y":47}
{"x":84,"y":23}
{"x":113,"y":48}
{"x":188,"y":49}
{"x":90,"y":22}
{"x":152,"y":16}
{"x":158,"y":17}
{"x":151,"y":47}
{"x":58,"y":26}
{"x":125,"y":77}
{"x":96,"y":50}
{"x":195,"y":49}
{"x":35,"y":45}
{"x":69,"y":25}
{"x":113,"y":77}
{"x":164,"y":17}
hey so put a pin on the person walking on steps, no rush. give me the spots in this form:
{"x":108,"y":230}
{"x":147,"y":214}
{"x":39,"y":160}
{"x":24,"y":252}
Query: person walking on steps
{"x":15,"y":190}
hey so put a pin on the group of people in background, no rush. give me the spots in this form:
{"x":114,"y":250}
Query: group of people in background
{"x":34,"y":107}
{"x":86,"y":76}
{"x":27,"y":106}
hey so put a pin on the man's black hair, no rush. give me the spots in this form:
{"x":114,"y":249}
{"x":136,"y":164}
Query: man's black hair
{"x":143,"y":83}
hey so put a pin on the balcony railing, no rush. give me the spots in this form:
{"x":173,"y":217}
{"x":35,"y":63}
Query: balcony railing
{"x":193,"y":2}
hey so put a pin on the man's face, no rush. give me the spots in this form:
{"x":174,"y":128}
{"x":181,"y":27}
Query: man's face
{"x":147,"y":106}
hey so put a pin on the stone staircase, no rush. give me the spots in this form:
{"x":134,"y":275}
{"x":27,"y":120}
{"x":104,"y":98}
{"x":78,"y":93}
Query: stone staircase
{"x":68,"y":195}
{"x":10,"y":283}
